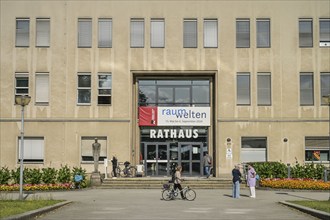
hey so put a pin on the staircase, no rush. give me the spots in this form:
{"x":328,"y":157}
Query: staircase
{"x":157,"y":183}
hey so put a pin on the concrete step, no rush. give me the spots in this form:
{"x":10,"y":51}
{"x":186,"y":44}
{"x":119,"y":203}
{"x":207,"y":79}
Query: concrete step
{"x":157,"y":183}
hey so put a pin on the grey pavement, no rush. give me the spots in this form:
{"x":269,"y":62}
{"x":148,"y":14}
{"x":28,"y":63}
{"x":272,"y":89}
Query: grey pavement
{"x":145,"y":204}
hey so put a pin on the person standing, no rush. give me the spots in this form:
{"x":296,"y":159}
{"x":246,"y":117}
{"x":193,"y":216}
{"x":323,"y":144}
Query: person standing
{"x":114,"y":166}
{"x":236,"y":181}
{"x":207,"y":164}
{"x":178,"y":179}
{"x":251,"y":181}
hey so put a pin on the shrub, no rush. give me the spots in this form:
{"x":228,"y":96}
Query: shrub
{"x":4,"y":175}
{"x":32,"y":176}
{"x":15,"y":174}
{"x":49,"y":175}
{"x":64,"y":174}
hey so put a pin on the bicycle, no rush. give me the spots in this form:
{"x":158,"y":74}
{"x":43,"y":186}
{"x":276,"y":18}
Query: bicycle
{"x":168,"y":192}
{"x":127,"y":171}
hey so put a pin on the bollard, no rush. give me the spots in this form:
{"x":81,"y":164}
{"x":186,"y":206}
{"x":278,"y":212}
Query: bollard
{"x":289,"y":170}
{"x":325,"y":174}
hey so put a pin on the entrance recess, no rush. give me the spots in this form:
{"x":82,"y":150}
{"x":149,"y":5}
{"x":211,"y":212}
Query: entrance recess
{"x":158,"y":157}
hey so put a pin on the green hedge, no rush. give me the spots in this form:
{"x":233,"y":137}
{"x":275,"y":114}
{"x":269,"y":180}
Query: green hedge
{"x":42,"y":176}
{"x":280,"y":170}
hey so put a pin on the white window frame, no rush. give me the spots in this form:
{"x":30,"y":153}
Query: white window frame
{"x":305,"y":36}
{"x":243,"y":93}
{"x":241,"y":33}
{"x":100,"y":94}
{"x":42,"y":88}
{"x":190,"y":33}
{"x":157,"y":33}
{"x":263,"y":36}
{"x":210,"y":33}
{"x":324,"y":85}
{"x":85,"y":30}
{"x":324,"y":32}
{"x":253,"y":154}
{"x":84,"y":88}
{"x":33,"y":149}
{"x":43,"y":32}
{"x":320,"y":144}
{"x":137,"y":33}
{"x":306,"y":90}
{"x":105,"y":33}
{"x":22,"y":35}
{"x":87,"y":148}
{"x":21,"y":75}
{"x":264,"y":90}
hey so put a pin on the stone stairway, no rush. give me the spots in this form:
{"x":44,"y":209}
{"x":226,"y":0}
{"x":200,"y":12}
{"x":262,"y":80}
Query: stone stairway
{"x":157,"y":183}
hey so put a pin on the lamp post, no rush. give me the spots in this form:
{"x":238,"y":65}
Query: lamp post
{"x":22,"y":100}
{"x":326,"y":99}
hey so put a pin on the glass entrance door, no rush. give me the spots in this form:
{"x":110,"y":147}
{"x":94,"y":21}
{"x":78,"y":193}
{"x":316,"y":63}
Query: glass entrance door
{"x":158,"y":158}
{"x":191,"y":155}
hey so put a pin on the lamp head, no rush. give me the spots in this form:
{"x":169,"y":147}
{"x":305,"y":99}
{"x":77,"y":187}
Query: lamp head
{"x":22,"y":100}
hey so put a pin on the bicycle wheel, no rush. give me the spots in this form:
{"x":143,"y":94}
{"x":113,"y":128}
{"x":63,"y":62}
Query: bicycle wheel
{"x":167,"y":194}
{"x":190,"y":194}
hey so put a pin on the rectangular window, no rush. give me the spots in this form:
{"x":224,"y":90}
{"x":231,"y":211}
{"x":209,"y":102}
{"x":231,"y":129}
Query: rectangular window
{"x":242,"y":33}
{"x":243,"y":89}
{"x":22,"y":32}
{"x":86,"y":148}
{"x":84,"y":32}
{"x":137,"y":33}
{"x":263,"y":33}
{"x":84,"y":89}
{"x":157,"y":33}
{"x":42,"y":88}
{"x":305,"y":33}
{"x":105,"y":33}
{"x":317,"y":149}
{"x":325,"y":86}
{"x":33,"y":149}
{"x":306,"y":89}
{"x":324,"y":32}
{"x":264,"y":88}
{"x":253,"y":149}
{"x":22,"y":84}
{"x":43,"y":32}
{"x":210,"y":33}
{"x":190,"y":33}
{"x":104,"y":89}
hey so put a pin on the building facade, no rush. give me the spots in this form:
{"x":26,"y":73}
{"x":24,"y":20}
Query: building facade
{"x":165,"y":81}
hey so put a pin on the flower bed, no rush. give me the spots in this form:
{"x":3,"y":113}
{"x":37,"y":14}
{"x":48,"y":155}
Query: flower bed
{"x":34,"y":187}
{"x":292,"y":183}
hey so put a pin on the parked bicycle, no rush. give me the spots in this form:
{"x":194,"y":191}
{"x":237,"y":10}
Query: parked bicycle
{"x":127,"y":171}
{"x":168,"y":192}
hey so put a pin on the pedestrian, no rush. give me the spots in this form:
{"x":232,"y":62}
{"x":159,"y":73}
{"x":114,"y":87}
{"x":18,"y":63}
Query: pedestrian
{"x":114,"y":166}
{"x":178,"y":179}
{"x":236,"y":181}
{"x":251,"y":181}
{"x":207,"y":164}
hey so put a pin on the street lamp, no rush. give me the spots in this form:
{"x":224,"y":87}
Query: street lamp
{"x":22,"y":100}
{"x":326,"y":99}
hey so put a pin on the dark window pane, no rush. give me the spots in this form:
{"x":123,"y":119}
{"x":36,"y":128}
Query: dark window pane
{"x":84,"y":81}
{"x":104,"y":100}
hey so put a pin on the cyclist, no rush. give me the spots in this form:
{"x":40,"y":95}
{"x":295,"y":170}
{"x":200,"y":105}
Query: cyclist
{"x":178,"y":179}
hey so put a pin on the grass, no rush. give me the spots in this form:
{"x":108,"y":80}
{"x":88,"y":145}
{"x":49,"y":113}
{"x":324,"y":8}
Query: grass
{"x":318,"y":205}
{"x":15,"y":207}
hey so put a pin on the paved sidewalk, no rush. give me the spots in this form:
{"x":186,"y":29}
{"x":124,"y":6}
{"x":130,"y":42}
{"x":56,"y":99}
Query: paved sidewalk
{"x":146,"y":204}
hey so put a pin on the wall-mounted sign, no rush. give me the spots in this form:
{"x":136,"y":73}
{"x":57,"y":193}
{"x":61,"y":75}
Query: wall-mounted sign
{"x":173,"y":133}
{"x":174,"y":116}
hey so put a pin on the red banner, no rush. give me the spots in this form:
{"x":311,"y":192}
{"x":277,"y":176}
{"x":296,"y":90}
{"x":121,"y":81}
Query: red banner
{"x":148,"y":116}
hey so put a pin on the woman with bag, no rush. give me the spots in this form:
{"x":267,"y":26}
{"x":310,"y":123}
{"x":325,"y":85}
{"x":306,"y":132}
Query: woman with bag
{"x":236,"y":181}
{"x":251,"y":181}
